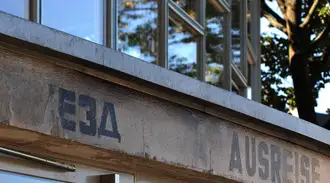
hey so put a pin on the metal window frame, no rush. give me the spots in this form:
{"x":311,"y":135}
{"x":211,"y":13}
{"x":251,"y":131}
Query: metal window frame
{"x":113,"y":29}
{"x":110,"y":23}
{"x":239,"y":78}
{"x":163,"y":17}
{"x":252,"y":57}
{"x":34,"y":11}
{"x":164,"y":8}
{"x":110,"y":33}
{"x":19,"y":163}
{"x":244,"y":38}
{"x":199,"y":27}
{"x":195,"y":25}
{"x":255,"y":44}
{"x":221,"y":5}
{"x":241,"y":74}
{"x":228,"y":50}
{"x":201,"y":43}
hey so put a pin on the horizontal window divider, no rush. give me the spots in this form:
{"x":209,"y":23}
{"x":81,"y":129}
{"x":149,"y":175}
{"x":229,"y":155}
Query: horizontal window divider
{"x":185,"y":17}
{"x":221,"y":5}
{"x":238,"y":77}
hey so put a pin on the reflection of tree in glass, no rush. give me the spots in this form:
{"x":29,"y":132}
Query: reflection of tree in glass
{"x":137,"y":22}
{"x":214,"y":45}
{"x":181,"y":42}
{"x":138,"y":33}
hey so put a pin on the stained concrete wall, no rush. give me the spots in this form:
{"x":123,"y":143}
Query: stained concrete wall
{"x":53,"y":100}
{"x":31,"y":36}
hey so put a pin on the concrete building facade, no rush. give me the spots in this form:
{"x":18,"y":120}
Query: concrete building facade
{"x":141,"y":92}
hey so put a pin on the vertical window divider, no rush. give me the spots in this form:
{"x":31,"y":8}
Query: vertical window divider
{"x":106,"y":24}
{"x":255,"y":41}
{"x":244,"y":39}
{"x":114,"y":23}
{"x":162,"y":59}
{"x":109,"y":23}
{"x":201,"y":52}
{"x":227,"y":51}
{"x":35,"y":11}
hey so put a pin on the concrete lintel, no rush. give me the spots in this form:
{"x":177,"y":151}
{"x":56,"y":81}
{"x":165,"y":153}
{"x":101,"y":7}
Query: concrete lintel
{"x":42,"y":36}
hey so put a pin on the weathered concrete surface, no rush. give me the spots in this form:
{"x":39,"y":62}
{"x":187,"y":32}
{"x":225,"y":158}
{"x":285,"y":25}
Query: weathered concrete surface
{"x":42,"y":97}
{"x":43,"y":38}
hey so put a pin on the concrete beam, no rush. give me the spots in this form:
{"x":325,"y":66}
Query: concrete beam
{"x":40,"y":38}
{"x":74,"y":114}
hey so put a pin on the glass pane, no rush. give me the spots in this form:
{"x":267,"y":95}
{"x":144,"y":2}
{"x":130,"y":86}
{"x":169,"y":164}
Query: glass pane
{"x":182,"y":49}
{"x":12,"y":177}
{"x":137,"y":28}
{"x":15,"y":7}
{"x":214,"y":45}
{"x":82,"y":18}
{"x":236,"y":31}
{"x":189,"y":6}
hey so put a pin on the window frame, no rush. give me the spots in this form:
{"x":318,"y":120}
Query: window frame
{"x":199,"y":26}
{"x":249,"y":52}
{"x":196,"y":27}
{"x":33,"y":169}
{"x":184,"y":17}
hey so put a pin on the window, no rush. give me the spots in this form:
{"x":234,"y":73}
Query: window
{"x":18,"y":168}
{"x":184,"y":33}
{"x":82,"y":18}
{"x":182,"y":49}
{"x":137,"y":28}
{"x":215,"y":58}
{"x":15,"y":7}
{"x":190,"y":37}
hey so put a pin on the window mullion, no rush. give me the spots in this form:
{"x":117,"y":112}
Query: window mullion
{"x":227,"y":51}
{"x":162,"y":33}
{"x":243,"y":35}
{"x":110,"y":23}
{"x":244,"y":39}
{"x":255,"y":42}
{"x":35,"y":11}
{"x":201,"y":52}
{"x":106,"y":23}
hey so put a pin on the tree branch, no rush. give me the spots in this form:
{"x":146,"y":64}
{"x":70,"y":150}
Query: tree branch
{"x":273,"y":18}
{"x":281,"y":4}
{"x":310,"y":14}
{"x":321,"y":36}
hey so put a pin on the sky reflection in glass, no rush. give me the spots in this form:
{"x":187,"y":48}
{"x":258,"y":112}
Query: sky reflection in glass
{"x":82,"y":18}
{"x":15,"y":7}
{"x":8,"y":177}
